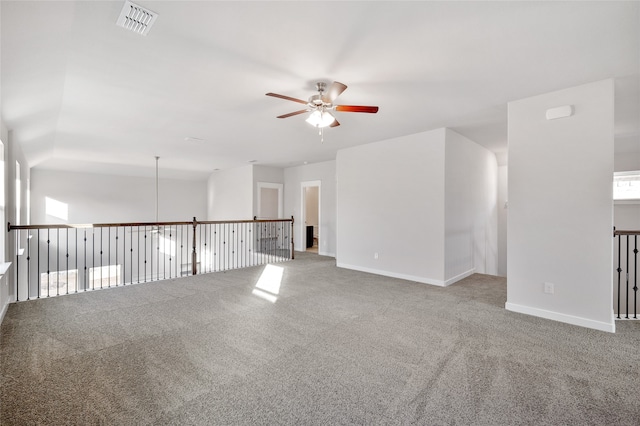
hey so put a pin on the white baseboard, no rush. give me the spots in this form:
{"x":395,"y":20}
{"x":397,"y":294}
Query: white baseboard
{"x":557,"y":316}
{"x":460,"y":277}
{"x":3,"y":311}
{"x":423,"y":280}
{"x":324,"y":253}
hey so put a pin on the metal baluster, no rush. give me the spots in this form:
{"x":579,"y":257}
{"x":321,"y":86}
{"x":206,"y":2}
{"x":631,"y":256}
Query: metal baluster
{"x":627,"y":293}
{"x":85,"y":256}
{"x":138,"y":232}
{"x":164,"y":249}
{"x":79,"y":281}
{"x":635,"y":277}
{"x":619,"y":272}
{"x":101,"y":263}
{"x":116,"y":264}
{"x":194,"y":254}
{"x":181,"y":238}
{"x":216,"y":243}
{"x":233,"y":246}
{"x":157,"y":254}
{"x":67,"y":256}
{"x":131,"y":253}
{"x":145,"y":254}
{"x":292,"y":240}
{"x":29,"y":265}
{"x":91,"y":272}
{"x":48,"y":271}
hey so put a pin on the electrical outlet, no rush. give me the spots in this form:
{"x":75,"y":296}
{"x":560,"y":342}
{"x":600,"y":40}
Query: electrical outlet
{"x":548,"y":288}
{"x":375,"y":256}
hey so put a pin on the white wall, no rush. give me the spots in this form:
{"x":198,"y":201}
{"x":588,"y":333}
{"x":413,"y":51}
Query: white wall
{"x":560,"y":207}
{"x":293,"y":178}
{"x":4,"y":281}
{"x":391,"y":202}
{"x":503,"y":210}
{"x":230,"y":194}
{"x":98,"y":198}
{"x":13,"y":153}
{"x":471,"y":220}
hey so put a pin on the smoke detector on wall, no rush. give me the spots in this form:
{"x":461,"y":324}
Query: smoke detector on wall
{"x":136,"y":18}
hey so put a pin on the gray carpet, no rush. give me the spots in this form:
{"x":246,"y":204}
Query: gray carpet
{"x":337,"y":347}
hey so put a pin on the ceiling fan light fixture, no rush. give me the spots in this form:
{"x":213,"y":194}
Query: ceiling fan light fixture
{"x":320,"y":119}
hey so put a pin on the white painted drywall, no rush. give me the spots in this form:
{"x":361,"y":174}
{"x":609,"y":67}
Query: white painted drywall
{"x":560,"y":206}
{"x":326,"y":173}
{"x":471,"y":220}
{"x":230,"y":194}
{"x":503,"y":210}
{"x":391,"y":202}
{"x":4,"y":281}
{"x":13,"y":153}
{"x":98,"y":198}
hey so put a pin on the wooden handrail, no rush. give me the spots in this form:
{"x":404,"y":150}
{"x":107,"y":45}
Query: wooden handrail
{"x":132,"y":224}
{"x":621,"y":232}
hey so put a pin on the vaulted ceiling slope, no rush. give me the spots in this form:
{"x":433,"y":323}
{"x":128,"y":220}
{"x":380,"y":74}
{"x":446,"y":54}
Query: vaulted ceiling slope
{"x":81,"y":93}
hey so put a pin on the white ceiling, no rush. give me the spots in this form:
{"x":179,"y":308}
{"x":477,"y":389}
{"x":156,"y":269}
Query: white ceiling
{"x":82,"y":94}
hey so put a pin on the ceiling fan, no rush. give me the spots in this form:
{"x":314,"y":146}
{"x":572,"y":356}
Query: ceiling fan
{"x":321,"y":105}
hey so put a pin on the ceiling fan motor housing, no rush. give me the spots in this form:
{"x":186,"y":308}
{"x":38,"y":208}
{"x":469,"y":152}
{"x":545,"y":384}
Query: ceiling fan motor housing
{"x":316,"y":100}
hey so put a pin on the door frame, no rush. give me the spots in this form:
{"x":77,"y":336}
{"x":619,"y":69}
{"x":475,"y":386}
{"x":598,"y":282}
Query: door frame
{"x":270,"y":185}
{"x":303,"y":212}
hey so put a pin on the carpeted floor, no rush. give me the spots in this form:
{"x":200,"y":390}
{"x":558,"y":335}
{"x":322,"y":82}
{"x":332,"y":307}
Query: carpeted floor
{"x":336,"y":347}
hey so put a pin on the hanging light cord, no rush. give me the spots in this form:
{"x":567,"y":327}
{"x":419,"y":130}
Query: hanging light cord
{"x":157,"y":191}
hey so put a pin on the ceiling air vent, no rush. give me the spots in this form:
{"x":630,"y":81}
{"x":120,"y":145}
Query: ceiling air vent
{"x":136,"y":18}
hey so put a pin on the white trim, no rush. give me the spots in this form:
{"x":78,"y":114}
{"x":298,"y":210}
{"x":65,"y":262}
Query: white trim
{"x":280,"y":188}
{"x":4,"y":311}
{"x":324,"y":253}
{"x":422,"y":280}
{"x":557,"y":316}
{"x":460,"y":277}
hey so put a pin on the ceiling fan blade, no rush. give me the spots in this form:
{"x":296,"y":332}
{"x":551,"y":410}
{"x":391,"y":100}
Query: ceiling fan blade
{"x":334,"y":124}
{"x":291,"y":114}
{"x":333,"y":92}
{"x":357,"y":108}
{"x":288,"y":98}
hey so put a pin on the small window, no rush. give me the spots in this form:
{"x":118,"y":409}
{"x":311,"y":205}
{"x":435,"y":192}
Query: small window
{"x":626,"y":186}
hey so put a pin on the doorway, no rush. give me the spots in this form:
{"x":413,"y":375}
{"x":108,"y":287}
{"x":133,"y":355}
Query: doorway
{"x":311,"y":231}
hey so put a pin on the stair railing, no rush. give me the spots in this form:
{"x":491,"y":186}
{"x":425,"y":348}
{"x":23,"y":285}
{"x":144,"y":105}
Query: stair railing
{"x":627,"y":271}
{"x":53,"y":260}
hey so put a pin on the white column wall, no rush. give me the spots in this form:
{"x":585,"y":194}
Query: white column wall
{"x":391,"y":202}
{"x":471,"y":221}
{"x":5,"y":291}
{"x":325,"y":172}
{"x":560,"y":206}
{"x":13,"y":153}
